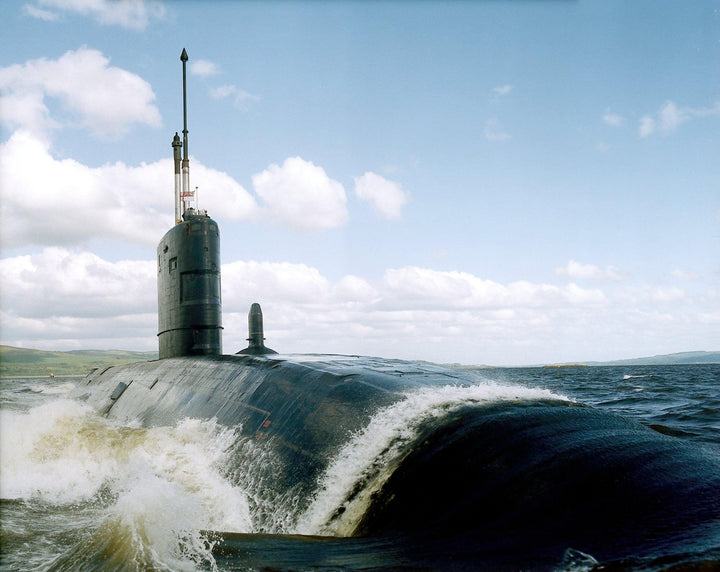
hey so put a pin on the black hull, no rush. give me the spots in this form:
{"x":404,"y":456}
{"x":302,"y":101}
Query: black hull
{"x":511,"y":483}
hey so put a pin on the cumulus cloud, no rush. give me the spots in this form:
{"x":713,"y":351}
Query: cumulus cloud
{"x":664,"y":295}
{"x":61,"y":282}
{"x":62,"y":299}
{"x":39,"y":13}
{"x":578,"y":271}
{"x":647,"y":126}
{"x":300,"y":195}
{"x":219,"y":194}
{"x":450,"y":289}
{"x":274,"y":281}
{"x":117,"y":201}
{"x":612,"y":119}
{"x":502,"y":90}
{"x":104,"y":99}
{"x":65,"y":299}
{"x":135,"y":203}
{"x":240,"y":98}
{"x":671,"y":116}
{"x":493,"y":131}
{"x":204,"y":68}
{"x":130,"y":14}
{"x":684,"y":275}
{"x":355,"y":289}
{"x":126,"y":202}
{"x":387,"y":198}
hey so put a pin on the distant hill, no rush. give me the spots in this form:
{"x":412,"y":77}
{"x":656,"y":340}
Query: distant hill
{"x":21,"y":362}
{"x":666,"y":359}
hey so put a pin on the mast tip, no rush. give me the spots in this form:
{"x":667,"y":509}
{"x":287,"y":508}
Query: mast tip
{"x":184,"y":56}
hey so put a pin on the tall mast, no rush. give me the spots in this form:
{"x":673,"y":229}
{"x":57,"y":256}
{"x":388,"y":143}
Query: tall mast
{"x":185,"y":161}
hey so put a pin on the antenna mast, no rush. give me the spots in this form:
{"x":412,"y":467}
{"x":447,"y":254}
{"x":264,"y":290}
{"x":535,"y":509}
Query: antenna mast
{"x":186,"y":192}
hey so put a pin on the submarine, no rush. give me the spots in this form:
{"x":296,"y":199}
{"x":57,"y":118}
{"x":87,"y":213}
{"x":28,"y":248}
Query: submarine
{"x":452,"y":473}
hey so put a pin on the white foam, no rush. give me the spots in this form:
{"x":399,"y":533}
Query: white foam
{"x":373,"y":453}
{"x":157,"y":524}
{"x":60,"y":389}
{"x":42,"y":454}
{"x":161,"y":486}
{"x":576,"y":561}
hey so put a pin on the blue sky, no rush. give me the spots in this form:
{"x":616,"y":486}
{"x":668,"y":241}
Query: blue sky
{"x":479,"y":182}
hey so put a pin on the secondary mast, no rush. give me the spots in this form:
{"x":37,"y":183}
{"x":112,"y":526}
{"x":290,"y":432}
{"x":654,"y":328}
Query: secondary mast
{"x":177,"y":145}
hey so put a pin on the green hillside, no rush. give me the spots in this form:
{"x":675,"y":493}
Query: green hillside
{"x":681,"y":358}
{"x":21,"y":362}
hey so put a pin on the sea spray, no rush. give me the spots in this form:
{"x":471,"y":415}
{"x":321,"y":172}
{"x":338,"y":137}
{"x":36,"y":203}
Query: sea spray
{"x":369,"y":457}
{"x":52,"y":453}
{"x":274,"y":508}
{"x":57,"y":389}
{"x":148,"y":492}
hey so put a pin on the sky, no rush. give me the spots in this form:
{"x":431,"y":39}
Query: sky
{"x":480,"y":182}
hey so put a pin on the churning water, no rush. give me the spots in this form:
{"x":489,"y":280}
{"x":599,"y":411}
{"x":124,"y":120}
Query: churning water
{"x":81,"y":492}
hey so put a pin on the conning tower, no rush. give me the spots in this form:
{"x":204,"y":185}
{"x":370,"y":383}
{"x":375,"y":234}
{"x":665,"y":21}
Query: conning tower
{"x":189,"y":305}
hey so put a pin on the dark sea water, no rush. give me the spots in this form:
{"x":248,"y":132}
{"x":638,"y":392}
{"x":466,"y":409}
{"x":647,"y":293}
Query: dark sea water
{"x":80,"y":492}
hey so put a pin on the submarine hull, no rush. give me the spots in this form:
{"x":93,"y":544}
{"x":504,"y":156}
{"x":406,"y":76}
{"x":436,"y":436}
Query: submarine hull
{"x":509,"y":482}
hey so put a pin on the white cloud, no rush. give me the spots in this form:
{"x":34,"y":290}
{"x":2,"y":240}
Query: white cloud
{"x":221,"y":195}
{"x":46,"y":201}
{"x":239,"y":97}
{"x":502,"y":89}
{"x":705,"y":111}
{"x":387,"y":198}
{"x":355,"y":289}
{"x":685,"y":275}
{"x":612,"y":119}
{"x":647,"y":126}
{"x":671,"y":116}
{"x":578,"y":271}
{"x":135,"y":203}
{"x":130,"y":14}
{"x":428,"y":288}
{"x":204,"y":68}
{"x":103,"y":99}
{"x":60,"y":282}
{"x":298,"y":284}
{"x":664,"y":295}
{"x":64,"y":299}
{"x":26,"y":110}
{"x":39,"y":13}
{"x":493,"y":131}
{"x":301,"y":196}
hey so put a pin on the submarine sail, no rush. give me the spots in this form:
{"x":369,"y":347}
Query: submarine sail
{"x":189,"y":304}
{"x":189,"y":299}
